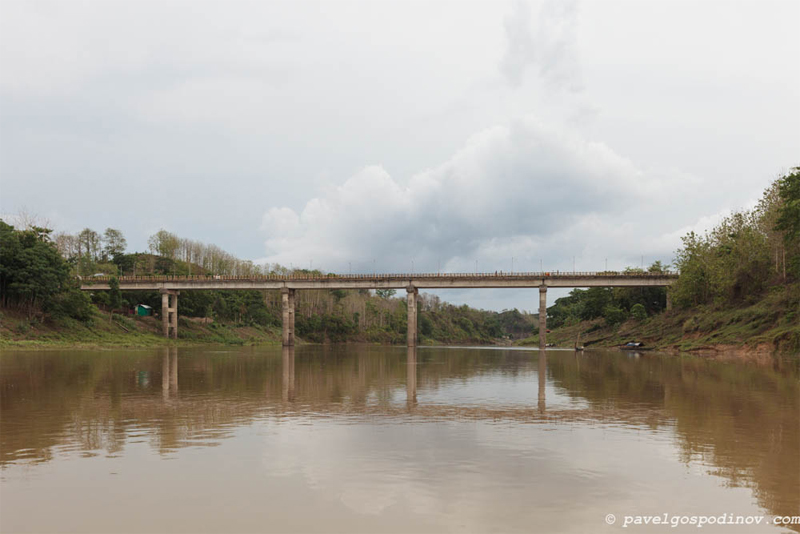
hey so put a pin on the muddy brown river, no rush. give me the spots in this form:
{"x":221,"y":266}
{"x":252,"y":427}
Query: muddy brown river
{"x":380,"y":439}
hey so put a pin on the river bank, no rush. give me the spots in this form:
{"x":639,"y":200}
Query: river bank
{"x":107,"y":330}
{"x":113,"y":330}
{"x":770,"y":325}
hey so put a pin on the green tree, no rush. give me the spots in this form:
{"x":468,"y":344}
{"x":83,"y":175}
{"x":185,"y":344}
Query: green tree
{"x":789,"y":213}
{"x":114,"y":296}
{"x":614,"y":314}
{"x":164,"y":243}
{"x":385,"y":293}
{"x":114,"y":244}
{"x":638,"y":312}
{"x":788,"y":219}
{"x":89,"y":244}
{"x":425,"y":325}
{"x":34,"y":276}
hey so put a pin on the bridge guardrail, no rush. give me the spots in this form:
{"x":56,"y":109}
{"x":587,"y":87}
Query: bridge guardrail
{"x":376,"y":276}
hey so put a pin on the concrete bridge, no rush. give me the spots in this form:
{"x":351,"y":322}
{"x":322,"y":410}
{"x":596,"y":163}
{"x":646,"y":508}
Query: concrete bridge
{"x":171,"y":286}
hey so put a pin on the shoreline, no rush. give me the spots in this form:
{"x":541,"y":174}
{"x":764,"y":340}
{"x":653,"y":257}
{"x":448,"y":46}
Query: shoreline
{"x":743,"y":352}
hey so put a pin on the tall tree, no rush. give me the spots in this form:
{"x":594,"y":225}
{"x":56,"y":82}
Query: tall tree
{"x":89,"y":241}
{"x":31,"y":270}
{"x":115,"y":296}
{"x":114,"y":243}
{"x":164,"y":244}
{"x":788,"y":220}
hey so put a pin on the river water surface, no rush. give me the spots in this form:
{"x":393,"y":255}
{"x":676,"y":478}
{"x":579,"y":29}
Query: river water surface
{"x":379,"y":439}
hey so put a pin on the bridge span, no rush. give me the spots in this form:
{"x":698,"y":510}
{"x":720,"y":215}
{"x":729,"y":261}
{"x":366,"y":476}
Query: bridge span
{"x":171,"y":286}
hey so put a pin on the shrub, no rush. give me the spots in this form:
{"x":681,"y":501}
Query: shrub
{"x":72,"y":303}
{"x":614,"y":314}
{"x":638,"y":312}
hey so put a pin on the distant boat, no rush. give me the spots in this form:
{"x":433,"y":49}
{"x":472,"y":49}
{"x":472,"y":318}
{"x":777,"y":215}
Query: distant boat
{"x":630,"y":345}
{"x":577,"y":341}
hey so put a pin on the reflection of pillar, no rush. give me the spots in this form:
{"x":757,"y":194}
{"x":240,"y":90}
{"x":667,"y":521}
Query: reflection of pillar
{"x":542,"y":317}
{"x":169,"y":372}
{"x":173,"y":371}
{"x":413,"y":294}
{"x":173,"y":309}
{"x":411,"y":377}
{"x":165,"y":312}
{"x":288,"y":374}
{"x":165,"y":375}
{"x":287,"y":304}
{"x":542,"y":379}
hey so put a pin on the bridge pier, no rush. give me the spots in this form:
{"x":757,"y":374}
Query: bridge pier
{"x":287,"y":303}
{"x":542,"y":317}
{"x":669,"y":299}
{"x":413,"y":295}
{"x":169,"y":312}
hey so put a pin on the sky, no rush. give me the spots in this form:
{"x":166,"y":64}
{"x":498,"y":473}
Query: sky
{"x":400,"y":136}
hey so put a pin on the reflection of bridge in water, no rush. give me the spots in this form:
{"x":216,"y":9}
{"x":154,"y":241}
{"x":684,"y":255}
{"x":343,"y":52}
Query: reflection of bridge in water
{"x":171,"y":286}
{"x":449,"y":412}
{"x":537,"y":413}
{"x":747,"y":429}
{"x":292,"y":404}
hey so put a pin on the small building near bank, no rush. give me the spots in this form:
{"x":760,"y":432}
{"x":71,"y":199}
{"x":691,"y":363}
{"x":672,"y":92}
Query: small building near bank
{"x":143,"y":310}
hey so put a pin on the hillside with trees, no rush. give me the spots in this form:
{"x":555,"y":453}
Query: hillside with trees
{"x":739,"y":284}
{"x":58,"y":261}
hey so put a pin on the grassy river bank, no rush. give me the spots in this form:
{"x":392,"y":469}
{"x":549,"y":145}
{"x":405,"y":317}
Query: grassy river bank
{"x":771,"y":324}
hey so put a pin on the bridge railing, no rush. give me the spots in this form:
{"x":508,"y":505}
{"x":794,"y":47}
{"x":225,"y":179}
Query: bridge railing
{"x":375,"y":276}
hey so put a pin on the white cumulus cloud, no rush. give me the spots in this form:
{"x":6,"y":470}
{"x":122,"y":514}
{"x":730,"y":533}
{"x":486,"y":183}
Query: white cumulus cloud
{"x":524,"y":189}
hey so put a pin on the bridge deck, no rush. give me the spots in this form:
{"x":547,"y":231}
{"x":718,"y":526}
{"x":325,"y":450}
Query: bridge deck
{"x":388,"y":281}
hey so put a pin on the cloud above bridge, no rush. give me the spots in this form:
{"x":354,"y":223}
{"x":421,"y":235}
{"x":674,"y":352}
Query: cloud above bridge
{"x":524,"y":190}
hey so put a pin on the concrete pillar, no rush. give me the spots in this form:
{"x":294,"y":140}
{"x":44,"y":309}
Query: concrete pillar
{"x":669,"y":299}
{"x":165,"y":312}
{"x":292,"y":314}
{"x":287,"y":303}
{"x":542,"y":317}
{"x":173,"y":318}
{"x":412,"y":315}
{"x":411,"y":377}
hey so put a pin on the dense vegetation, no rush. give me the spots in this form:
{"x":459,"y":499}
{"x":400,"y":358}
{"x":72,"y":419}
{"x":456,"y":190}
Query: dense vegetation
{"x":738,"y":283}
{"x":746,"y":254}
{"x":615,"y":305}
{"x":35,"y":278}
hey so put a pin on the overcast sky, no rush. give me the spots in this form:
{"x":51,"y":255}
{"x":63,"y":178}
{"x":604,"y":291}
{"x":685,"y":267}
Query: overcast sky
{"x":379,"y":133}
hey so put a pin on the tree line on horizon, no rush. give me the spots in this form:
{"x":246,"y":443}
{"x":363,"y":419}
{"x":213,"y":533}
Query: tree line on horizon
{"x":335,"y":315}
